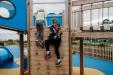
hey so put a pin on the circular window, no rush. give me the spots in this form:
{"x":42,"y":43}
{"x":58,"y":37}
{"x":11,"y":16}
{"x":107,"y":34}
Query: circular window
{"x":7,"y":9}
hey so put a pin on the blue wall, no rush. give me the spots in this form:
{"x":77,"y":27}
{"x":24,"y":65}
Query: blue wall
{"x":58,"y":18}
{"x":19,"y":21}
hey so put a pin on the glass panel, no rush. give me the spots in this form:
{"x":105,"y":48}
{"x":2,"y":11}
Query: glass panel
{"x":111,"y":14}
{"x":111,"y":17}
{"x":110,"y":1}
{"x":86,"y":18}
{"x":105,"y":13}
{"x":73,"y":20}
{"x":100,"y":17}
{"x":95,"y":17}
{"x":7,"y":9}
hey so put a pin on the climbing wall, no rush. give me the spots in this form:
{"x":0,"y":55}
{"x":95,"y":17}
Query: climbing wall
{"x":39,"y":65}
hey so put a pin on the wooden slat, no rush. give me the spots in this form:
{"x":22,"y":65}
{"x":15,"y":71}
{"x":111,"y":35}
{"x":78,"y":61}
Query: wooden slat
{"x":92,"y":34}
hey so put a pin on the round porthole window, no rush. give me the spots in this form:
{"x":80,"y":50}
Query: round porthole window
{"x":7,"y":9}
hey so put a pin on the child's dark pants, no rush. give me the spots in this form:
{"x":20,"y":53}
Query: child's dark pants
{"x":56,"y":43}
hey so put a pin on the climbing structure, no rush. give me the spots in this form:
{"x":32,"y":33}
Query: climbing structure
{"x":38,"y":65}
{"x":41,"y":66}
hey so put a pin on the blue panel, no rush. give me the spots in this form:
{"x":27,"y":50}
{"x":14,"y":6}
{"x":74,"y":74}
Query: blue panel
{"x":19,"y":21}
{"x":58,"y":18}
{"x":49,"y":21}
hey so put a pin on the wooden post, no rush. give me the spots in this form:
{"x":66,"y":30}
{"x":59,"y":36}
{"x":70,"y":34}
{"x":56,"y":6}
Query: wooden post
{"x":69,"y":36}
{"x":29,"y":23}
{"x":81,"y":57}
{"x":21,"y":54}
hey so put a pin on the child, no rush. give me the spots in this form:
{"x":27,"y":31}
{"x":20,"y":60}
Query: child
{"x":55,"y":39}
{"x":39,"y":27}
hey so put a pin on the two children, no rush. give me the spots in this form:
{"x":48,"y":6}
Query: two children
{"x":54,"y":38}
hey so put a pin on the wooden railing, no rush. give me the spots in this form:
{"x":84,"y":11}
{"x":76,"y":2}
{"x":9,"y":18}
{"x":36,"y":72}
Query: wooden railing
{"x":95,"y":51}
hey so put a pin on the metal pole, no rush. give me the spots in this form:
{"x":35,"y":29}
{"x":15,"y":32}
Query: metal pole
{"x":21,"y":54}
{"x":102,"y":12}
{"x":81,"y":57}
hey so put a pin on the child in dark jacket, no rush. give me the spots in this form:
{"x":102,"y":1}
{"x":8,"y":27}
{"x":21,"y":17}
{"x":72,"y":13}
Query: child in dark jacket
{"x":54,"y":38}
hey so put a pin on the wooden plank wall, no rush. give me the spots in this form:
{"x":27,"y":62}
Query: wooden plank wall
{"x":40,"y":66}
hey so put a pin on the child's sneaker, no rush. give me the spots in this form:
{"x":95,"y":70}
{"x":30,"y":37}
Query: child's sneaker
{"x":59,"y":62}
{"x":36,"y":40}
{"x":41,"y":43}
{"x":48,"y":54}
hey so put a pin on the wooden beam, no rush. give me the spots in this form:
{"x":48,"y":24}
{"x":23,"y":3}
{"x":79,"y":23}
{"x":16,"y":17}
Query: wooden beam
{"x":21,"y":54}
{"x":81,"y":57}
{"x":92,"y":34}
{"x":96,"y":6}
{"x":12,"y":29}
{"x":49,"y":2}
{"x":68,"y":4}
{"x":29,"y":23}
{"x":84,"y":2}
